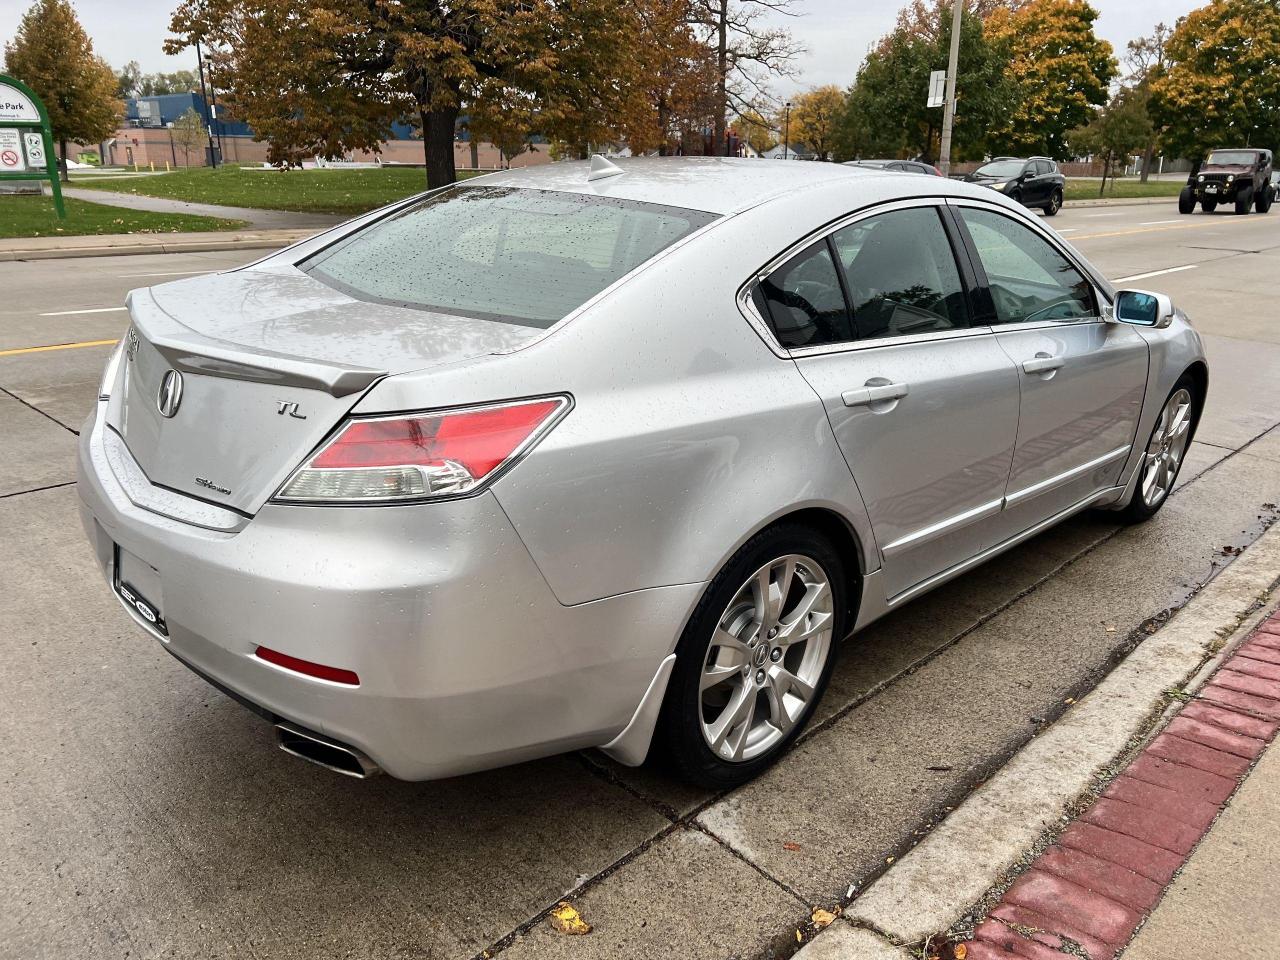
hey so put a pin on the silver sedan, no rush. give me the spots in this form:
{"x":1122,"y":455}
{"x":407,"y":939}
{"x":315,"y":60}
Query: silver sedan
{"x":596,"y":455}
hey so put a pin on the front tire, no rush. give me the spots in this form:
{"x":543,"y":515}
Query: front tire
{"x":1055,"y":204}
{"x":1187,"y":201}
{"x":1264,"y":200}
{"x":1243,"y":203}
{"x":755,"y":658}
{"x":1167,"y":448}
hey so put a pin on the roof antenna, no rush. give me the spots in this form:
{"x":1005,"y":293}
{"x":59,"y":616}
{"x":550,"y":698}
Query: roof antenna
{"x":601,"y":168}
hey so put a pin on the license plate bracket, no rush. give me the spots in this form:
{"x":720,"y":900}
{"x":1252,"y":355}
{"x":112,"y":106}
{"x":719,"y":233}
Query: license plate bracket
{"x":137,"y":583}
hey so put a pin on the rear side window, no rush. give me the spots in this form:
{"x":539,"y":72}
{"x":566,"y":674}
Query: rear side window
{"x":901,"y":274}
{"x":1029,"y":280}
{"x":803,"y":300}
{"x":501,"y":253}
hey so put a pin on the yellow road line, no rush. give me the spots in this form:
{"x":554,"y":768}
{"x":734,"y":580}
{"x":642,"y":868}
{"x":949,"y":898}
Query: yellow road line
{"x":1181,"y":226}
{"x":58,"y":346}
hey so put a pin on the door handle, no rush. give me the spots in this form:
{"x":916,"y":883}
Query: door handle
{"x":865,"y":396}
{"x":1043,"y":363}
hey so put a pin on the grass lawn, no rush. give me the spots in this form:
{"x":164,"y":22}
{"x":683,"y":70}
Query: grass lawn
{"x":31,"y":216}
{"x":310,"y":191}
{"x":1088,"y":189}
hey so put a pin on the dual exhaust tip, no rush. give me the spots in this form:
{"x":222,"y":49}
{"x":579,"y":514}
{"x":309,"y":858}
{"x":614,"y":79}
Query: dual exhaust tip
{"x":324,"y":752}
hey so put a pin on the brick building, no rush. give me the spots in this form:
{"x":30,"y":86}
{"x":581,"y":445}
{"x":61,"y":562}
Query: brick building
{"x":146,"y":138}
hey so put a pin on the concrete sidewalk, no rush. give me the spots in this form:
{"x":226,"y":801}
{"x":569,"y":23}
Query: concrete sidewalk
{"x":1225,"y":902}
{"x":257,"y":218}
{"x":126,"y":244}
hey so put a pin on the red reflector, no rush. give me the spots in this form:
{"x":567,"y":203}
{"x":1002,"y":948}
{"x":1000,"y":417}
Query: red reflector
{"x":334,"y":674}
{"x":480,"y":440}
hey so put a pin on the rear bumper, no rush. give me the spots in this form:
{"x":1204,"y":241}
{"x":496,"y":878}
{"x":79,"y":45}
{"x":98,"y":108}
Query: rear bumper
{"x":465,"y":658}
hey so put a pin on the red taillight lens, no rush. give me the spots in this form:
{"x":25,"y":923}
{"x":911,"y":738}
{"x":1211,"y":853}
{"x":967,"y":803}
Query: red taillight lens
{"x":446,"y":453}
{"x":319,"y":670}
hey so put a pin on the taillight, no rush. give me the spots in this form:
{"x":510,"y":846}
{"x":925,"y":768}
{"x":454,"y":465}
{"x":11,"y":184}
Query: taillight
{"x":440,"y":454}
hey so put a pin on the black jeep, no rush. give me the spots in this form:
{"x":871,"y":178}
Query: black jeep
{"x":1242,"y":177}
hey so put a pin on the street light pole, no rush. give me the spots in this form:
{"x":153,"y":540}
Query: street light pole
{"x":204,"y":96}
{"x":786,"y":131}
{"x":949,"y":107}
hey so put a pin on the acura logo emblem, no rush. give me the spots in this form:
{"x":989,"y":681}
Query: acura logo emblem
{"x":170,"y":395}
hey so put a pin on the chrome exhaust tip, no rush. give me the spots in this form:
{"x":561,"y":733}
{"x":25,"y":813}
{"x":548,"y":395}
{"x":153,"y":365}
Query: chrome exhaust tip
{"x":322,"y":751}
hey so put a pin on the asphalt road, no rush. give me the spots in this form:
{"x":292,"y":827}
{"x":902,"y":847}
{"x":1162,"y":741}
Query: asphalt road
{"x":145,"y":815}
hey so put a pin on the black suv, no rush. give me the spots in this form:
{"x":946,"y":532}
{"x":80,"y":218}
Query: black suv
{"x":1033,"y":182}
{"x":1241,"y":177}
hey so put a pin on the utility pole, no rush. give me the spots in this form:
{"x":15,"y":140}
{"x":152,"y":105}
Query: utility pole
{"x":949,"y":107}
{"x":204,"y":96}
{"x":786,"y":132}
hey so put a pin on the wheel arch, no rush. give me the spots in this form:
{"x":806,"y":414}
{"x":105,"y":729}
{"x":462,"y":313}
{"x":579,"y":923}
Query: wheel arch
{"x":1198,"y":371}
{"x":836,"y":528}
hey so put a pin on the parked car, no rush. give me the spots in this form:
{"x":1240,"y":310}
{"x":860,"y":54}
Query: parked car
{"x":1243,"y":178}
{"x":1033,"y":182}
{"x":609,"y":455}
{"x":897,"y":166}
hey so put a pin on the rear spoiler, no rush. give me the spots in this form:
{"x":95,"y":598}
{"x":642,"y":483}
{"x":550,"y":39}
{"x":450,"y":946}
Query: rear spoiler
{"x":191,"y":352}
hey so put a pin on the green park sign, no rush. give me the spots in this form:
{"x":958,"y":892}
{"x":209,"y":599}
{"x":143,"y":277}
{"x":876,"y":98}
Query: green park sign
{"x":26,"y":142}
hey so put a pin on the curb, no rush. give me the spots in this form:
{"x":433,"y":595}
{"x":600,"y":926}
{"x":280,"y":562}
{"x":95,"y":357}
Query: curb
{"x":1109,"y":869}
{"x":261,"y":242}
{"x":985,"y":842}
{"x":1119,"y":202}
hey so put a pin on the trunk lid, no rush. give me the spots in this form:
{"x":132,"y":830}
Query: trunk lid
{"x":267,"y":361}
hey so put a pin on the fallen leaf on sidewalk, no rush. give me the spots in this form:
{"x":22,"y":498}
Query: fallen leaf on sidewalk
{"x":823,"y":918}
{"x":791,"y":845}
{"x":567,"y":920}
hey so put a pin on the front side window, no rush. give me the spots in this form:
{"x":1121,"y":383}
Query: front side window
{"x":803,"y":300}
{"x":516,"y":255}
{"x":901,"y":274}
{"x":1029,"y":280}
{"x":1043,"y":167}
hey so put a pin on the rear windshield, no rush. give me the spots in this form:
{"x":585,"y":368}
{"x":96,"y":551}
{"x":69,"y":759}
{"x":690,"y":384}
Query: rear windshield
{"x":501,"y":253}
{"x":1232,"y":158}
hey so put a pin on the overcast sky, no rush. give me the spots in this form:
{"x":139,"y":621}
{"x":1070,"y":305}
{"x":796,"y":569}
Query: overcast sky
{"x":837,"y":33}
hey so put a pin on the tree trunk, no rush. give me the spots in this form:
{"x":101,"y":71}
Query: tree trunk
{"x":63,"y":175}
{"x":663,"y":120}
{"x":1148,"y":157}
{"x":475,"y":152}
{"x":720,"y":141}
{"x":437,"y":145}
{"x":1106,"y":167}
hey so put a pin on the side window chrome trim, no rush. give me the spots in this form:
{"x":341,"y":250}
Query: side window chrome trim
{"x":1055,"y":240}
{"x":881,"y":343}
{"x":763,"y":328}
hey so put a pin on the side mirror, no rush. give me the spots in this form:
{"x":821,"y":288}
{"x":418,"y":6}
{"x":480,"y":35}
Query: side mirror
{"x":1142,"y":308}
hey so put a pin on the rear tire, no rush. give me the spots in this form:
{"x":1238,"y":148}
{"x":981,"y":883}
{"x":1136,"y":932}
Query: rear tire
{"x":754,"y":660}
{"x":1187,"y":201}
{"x":1208,"y":206}
{"x":1055,"y":204}
{"x":1165,"y":452}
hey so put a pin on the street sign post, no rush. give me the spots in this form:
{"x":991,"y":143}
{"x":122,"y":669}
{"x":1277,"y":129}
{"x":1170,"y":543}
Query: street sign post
{"x":937,"y":88}
{"x":26,"y":142}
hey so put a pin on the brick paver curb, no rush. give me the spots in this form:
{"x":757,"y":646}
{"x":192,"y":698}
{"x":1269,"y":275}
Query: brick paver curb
{"x":1108,"y":870}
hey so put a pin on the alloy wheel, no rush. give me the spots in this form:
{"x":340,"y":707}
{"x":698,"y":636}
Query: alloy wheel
{"x":766,"y":657}
{"x":1167,"y":448}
